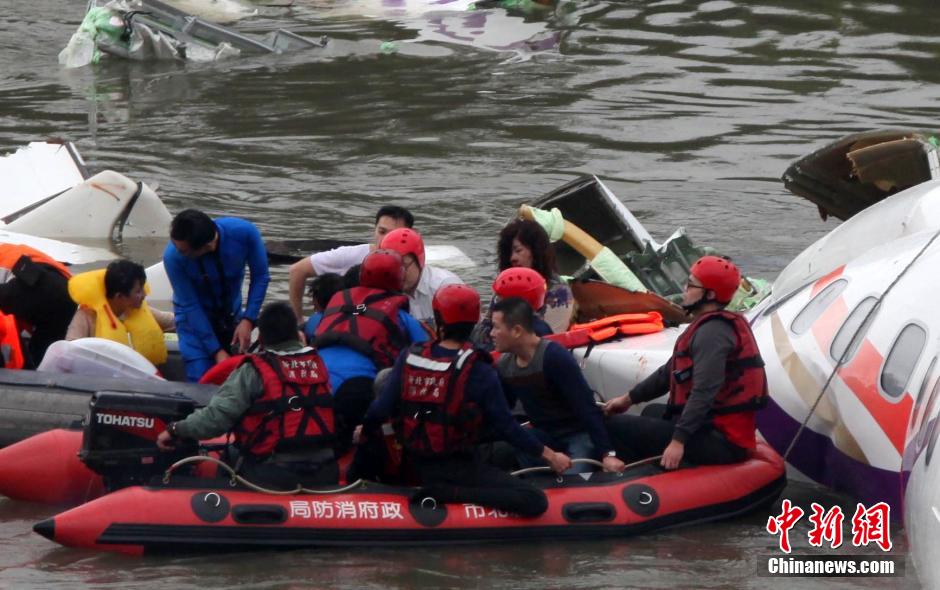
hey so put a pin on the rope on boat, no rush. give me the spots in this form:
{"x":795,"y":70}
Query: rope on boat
{"x":235,"y":478}
{"x":845,"y":353}
{"x":594,"y":462}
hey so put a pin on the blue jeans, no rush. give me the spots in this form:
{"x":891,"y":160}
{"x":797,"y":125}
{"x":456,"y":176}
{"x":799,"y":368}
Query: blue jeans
{"x":577,"y":446}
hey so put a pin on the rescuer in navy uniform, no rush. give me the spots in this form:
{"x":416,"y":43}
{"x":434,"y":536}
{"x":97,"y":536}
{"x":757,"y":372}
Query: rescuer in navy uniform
{"x":715,"y":379}
{"x":440,"y":394}
{"x":279,"y":407}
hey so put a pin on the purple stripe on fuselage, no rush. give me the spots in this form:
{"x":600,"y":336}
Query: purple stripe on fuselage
{"x":819,"y":459}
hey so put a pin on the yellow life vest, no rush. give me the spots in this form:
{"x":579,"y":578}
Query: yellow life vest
{"x":138,"y":329}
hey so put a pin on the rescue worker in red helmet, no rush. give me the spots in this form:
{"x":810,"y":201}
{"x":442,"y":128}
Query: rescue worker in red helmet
{"x":279,"y":407}
{"x":528,"y":285}
{"x":361,"y":330}
{"x":441,"y":394}
{"x":715,"y":379}
{"x":421,"y":280}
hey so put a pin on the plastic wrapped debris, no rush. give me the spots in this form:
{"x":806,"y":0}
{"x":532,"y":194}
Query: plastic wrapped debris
{"x":97,"y":357}
{"x":82,"y":47}
{"x":750,"y":292}
{"x":523,"y":6}
{"x":150,"y":30}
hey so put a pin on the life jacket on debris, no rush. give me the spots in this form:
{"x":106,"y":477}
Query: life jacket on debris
{"x":609,"y":328}
{"x":139,"y":329}
{"x":744,"y":390}
{"x":436,"y":418}
{"x":366,"y":320}
{"x":11,"y":349}
{"x":296,"y":409}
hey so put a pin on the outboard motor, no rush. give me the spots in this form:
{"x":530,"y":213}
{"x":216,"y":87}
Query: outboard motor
{"x":120,"y":438}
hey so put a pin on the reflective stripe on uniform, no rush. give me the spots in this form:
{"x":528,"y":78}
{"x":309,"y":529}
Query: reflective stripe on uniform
{"x":420,"y":362}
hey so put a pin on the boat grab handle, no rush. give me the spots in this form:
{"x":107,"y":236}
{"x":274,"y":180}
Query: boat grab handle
{"x":235,"y":478}
{"x":594,"y":462}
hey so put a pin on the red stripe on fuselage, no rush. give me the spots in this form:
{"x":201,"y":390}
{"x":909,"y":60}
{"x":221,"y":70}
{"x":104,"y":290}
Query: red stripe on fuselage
{"x":861,"y":376}
{"x":824,"y":328}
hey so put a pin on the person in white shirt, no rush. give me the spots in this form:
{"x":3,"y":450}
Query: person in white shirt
{"x":421,"y":281}
{"x":339,"y":260}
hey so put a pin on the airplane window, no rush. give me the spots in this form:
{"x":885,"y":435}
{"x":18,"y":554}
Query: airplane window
{"x":917,"y":413}
{"x":924,"y":419}
{"x":902,"y":358}
{"x":816,"y":306}
{"x":844,"y":340}
{"x":934,"y":431}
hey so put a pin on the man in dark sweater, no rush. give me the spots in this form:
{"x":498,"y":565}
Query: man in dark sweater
{"x":547,"y":380}
{"x":715,"y":380}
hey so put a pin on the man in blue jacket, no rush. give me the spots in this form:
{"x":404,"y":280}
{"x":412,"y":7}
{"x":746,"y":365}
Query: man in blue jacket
{"x":205,"y":262}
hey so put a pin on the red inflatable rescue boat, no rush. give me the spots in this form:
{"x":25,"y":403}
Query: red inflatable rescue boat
{"x":45,"y":468}
{"x":140,"y":519}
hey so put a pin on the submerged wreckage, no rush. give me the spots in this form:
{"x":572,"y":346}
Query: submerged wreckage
{"x":51,"y":202}
{"x":145,"y":30}
{"x":859,"y":170}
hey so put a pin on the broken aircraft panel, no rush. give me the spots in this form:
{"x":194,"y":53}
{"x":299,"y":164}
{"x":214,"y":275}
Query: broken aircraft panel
{"x":859,"y":170}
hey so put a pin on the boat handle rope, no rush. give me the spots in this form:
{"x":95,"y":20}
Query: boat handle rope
{"x":596,"y":463}
{"x":235,"y":478}
{"x":845,"y":353}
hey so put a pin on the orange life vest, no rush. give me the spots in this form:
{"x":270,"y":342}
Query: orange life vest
{"x":11,"y":253}
{"x":744,"y":390}
{"x":11,"y":348}
{"x":609,"y":328}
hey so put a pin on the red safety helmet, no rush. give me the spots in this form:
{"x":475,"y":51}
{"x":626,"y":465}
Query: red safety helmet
{"x":382,"y":270}
{"x":405,"y":241}
{"x":457,"y":304}
{"x":717,"y":274}
{"x":521,"y":282}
